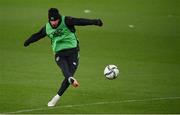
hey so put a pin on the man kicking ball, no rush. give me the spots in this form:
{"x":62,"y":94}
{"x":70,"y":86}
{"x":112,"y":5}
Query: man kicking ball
{"x":61,"y":31}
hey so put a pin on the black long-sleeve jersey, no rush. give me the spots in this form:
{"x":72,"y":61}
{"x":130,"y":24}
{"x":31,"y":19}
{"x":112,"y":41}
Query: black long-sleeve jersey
{"x":70,"y":23}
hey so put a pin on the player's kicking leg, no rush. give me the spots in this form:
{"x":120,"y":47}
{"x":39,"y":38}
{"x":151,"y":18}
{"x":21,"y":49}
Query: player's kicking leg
{"x":68,"y":68}
{"x":73,"y":81}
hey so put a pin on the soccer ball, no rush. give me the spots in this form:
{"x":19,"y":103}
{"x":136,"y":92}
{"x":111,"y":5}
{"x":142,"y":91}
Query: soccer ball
{"x":111,"y":72}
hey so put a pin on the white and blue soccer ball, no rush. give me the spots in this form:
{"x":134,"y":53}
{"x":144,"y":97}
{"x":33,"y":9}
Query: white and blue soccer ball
{"x":111,"y":72}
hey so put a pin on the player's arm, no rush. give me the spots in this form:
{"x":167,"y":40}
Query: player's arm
{"x":36,"y":36}
{"x":71,"y":21}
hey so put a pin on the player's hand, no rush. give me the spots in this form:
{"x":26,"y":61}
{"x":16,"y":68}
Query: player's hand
{"x":99,"y":22}
{"x":26,"y":44}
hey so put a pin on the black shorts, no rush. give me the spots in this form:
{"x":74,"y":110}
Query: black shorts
{"x":68,"y":61}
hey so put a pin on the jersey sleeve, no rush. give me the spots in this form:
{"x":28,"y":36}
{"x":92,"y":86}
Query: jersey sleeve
{"x":71,"y":21}
{"x":36,"y":36}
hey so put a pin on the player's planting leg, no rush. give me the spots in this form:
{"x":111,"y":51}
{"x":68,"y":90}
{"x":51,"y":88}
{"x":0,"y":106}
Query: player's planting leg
{"x":54,"y":100}
{"x":65,"y":84}
{"x":63,"y":63}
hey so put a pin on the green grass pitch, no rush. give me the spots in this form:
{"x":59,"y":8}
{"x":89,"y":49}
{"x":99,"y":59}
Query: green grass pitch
{"x":141,"y":37}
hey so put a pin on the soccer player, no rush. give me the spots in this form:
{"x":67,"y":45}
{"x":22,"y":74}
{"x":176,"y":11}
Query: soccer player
{"x":61,"y":31}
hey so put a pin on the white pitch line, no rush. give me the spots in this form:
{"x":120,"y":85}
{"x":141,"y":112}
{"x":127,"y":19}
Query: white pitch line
{"x":97,"y":103}
{"x":87,"y":11}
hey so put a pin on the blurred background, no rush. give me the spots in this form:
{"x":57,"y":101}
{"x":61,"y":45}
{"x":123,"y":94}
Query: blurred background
{"x":141,"y":37}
